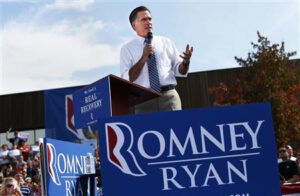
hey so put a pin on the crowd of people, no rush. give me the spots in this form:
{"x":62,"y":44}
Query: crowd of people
{"x":20,"y":172}
{"x":19,"y":167}
{"x":289,"y":165}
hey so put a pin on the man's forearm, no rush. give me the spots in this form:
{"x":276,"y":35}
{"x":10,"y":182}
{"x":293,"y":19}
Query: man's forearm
{"x":135,"y":70}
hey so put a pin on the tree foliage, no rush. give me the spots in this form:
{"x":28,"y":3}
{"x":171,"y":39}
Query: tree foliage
{"x":267,"y":77}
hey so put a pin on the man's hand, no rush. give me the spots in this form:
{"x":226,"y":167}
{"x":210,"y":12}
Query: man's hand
{"x":187,"y":55}
{"x":184,"y":66}
{"x":148,"y":50}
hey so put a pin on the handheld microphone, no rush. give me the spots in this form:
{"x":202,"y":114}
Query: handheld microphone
{"x":149,"y":40}
{"x":149,"y":37}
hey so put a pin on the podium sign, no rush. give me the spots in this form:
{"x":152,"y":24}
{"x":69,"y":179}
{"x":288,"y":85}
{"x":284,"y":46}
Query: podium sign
{"x":64,"y":165}
{"x":91,"y":103}
{"x":220,"y":151}
{"x":108,"y":96}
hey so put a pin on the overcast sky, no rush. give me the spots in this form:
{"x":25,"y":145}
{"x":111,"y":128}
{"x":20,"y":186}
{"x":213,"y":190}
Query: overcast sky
{"x":50,"y":44}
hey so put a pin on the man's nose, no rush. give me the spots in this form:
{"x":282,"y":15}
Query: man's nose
{"x":149,"y":23}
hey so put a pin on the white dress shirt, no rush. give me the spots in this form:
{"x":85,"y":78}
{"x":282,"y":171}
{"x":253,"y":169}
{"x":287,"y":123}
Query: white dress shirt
{"x":166,"y":55}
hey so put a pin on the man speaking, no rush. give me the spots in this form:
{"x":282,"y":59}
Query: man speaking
{"x":153,"y":62}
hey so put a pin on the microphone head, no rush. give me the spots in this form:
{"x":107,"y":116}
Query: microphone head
{"x":149,"y":35}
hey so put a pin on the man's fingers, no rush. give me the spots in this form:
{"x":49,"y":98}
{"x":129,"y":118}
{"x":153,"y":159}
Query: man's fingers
{"x":187,"y":48}
{"x":183,"y":57}
{"x":188,"y":52}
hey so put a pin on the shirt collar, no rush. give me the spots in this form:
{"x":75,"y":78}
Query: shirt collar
{"x":140,"y":39}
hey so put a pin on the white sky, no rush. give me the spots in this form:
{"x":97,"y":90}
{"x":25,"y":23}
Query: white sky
{"x":50,"y":44}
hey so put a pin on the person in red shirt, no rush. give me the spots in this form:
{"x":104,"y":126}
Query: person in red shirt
{"x":25,"y":149}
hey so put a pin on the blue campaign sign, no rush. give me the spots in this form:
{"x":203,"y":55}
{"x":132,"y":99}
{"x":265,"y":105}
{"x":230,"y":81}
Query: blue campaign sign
{"x":64,"y":165}
{"x":220,"y":151}
{"x":91,"y":103}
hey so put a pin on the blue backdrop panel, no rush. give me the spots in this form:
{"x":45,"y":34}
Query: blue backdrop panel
{"x":59,"y":115}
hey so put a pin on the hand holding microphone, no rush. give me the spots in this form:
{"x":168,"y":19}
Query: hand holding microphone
{"x":148,"y":49}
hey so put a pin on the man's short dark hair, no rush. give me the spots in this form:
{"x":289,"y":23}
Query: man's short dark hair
{"x":134,"y":12}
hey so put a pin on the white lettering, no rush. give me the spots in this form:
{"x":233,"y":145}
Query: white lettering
{"x":91,"y":106}
{"x":234,"y":136}
{"x":70,"y":165}
{"x":192,"y":175}
{"x":80,"y":163}
{"x":79,"y":189}
{"x":215,"y":175}
{"x":61,"y":160}
{"x":254,"y":134}
{"x":167,"y":179}
{"x":68,"y":188}
{"x":162,"y":144}
{"x":231,"y":168}
{"x":90,"y":98}
{"x":205,"y":134}
{"x":203,"y":175}
{"x":189,"y":139}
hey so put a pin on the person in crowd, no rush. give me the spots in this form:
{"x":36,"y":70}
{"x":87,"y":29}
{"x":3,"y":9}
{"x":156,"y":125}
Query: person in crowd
{"x":3,"y":154}
{"x":36,"y":185}
{"x":14,"y":155}
{"x":8,"y":170}
{"x":153,"y":62}
{"x":10,"y":187}
{"x":291,"y":152}
{"x":36,"y":161}
{"x":25,"y":149}
{"x":25,"y":189}
{"x":31,"y":171}
{"x":288,"y":169}
{"x":21,"y":163}
{"x":4,"y":148}
{"x":15,"y":140}
{"x":35,"y":149}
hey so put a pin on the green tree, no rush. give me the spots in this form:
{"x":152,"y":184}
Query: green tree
{"x":267,"y":77}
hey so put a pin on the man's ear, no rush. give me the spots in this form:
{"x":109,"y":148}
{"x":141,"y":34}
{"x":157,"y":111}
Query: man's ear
{"x":133,"y":25}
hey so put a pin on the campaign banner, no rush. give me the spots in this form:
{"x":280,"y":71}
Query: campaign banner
{"x":91,"y":103}
{"x":59,"y":117}
{"x":219,"y":151}
{"x":64,"y":169}
{"x":23,"y":135}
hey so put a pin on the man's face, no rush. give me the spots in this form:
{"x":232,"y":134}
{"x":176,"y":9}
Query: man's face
{"x":4,"y":147}
{"x":19,"y":178}
{"x":143,"y":23}
{"x":283,"y":153}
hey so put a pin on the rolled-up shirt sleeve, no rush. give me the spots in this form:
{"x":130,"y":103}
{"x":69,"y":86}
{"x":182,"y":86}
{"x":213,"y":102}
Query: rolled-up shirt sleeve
{"x":125,"y":63}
